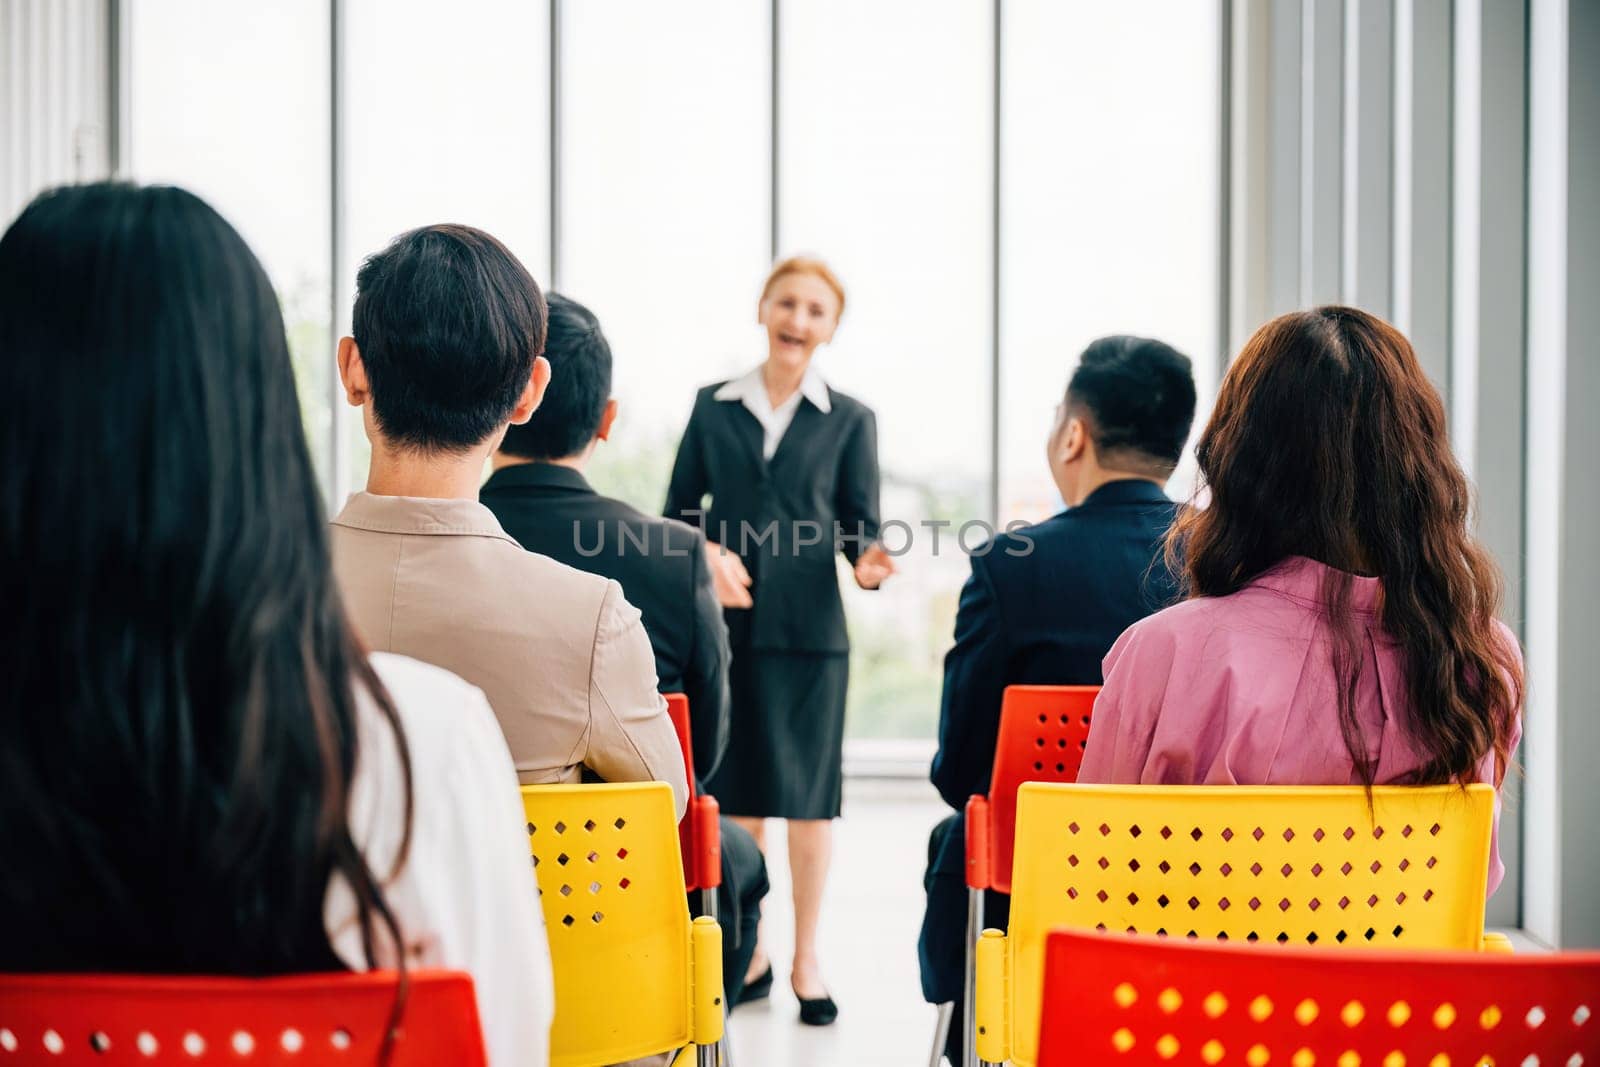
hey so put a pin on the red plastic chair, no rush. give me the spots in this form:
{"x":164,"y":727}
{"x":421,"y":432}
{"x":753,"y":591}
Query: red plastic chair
{"x":699,"y":833}
{"x":1044,"y":730}
{"x":106,"y":1020}
{"x":1121,"y":999}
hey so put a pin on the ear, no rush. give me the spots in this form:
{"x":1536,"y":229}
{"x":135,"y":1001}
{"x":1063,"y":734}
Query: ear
{"x":533,"y":394}
{"x":607,"y":417}
{"x":832,"y":326}
{"x":353,"y":373}
{"x":761,"y":311}
{"x":1075,"y":440}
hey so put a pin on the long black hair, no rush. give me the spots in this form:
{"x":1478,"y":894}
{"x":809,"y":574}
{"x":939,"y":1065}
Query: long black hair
{"x":178,"y":682}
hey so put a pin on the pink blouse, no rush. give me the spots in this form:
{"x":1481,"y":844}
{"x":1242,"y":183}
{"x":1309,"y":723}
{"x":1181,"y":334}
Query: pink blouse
{"x":1240,"y":690}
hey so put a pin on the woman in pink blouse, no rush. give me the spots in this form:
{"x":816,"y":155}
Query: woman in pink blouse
{"x":1339,"y":625}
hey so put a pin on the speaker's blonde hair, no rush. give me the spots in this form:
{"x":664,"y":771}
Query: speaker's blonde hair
{"x":804,"y":265}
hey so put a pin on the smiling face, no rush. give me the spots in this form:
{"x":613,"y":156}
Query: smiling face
{"x":800,"y":312}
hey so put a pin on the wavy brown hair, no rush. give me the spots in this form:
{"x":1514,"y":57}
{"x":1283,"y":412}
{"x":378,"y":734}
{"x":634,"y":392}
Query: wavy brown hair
{"x":1328,"y":441}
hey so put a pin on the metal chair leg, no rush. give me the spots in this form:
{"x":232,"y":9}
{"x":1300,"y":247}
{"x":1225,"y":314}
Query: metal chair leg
{"x":941,"y":1033}
{"x":969,"y":1036}
{"x":724,"y":1046}
{"x":705,"y":1056}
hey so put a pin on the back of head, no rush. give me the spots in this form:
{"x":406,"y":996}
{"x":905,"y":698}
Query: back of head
{"x":580,"y":384}
{"x":178,"y":704}
{"x":449,"y":323}
{"x":1328,"y":441}
{"x":1138,"y":396}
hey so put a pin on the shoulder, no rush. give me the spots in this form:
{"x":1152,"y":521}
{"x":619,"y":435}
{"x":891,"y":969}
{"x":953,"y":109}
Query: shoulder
{"x":532,"y":574}
{"x":1184,"y":627}
{"x":849,"y":407}
{"x":706,"y":395}
{"x":1026,"y":538}
{"x":1020,"y":549}
{"x":675,"y":533}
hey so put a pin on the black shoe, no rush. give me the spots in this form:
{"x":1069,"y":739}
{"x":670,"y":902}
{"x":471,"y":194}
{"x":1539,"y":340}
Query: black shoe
{"x":819,"y":1012}
{"x":757,"y":988}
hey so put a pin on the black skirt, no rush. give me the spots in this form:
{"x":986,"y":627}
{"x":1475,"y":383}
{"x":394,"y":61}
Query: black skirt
{"x":786,"y":740}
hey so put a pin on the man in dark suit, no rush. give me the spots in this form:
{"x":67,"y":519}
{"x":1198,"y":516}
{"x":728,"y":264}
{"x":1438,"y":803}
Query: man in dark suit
{"x":539,"y":495}
{"x":1046,"y":602}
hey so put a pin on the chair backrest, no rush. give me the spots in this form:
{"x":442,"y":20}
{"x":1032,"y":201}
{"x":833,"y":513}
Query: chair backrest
{"x":1114,"y":999}
{"x":611,"y":886}
{"x":339,"y":1018}
{"x":1301,"y":865}
{"x":1043,"y":732}
{"x":700,"y":851}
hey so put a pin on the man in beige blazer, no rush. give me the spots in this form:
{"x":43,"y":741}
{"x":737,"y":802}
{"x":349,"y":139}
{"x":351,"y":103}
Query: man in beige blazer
{"x":448,"y":330}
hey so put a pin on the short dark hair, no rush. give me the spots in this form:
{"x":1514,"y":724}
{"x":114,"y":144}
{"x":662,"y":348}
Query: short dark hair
{"x":1139,"y":397}
{"x":449,"y":323}
{"x":580,"y":385}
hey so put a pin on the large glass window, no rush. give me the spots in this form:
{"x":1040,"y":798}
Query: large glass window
{"x":1109,"y":205}
{"x":231,"y":101}
{"x":665,"y":218}
{"x":885,"y":133}
{"x":447,"y":119}
{"x":664,"y":215}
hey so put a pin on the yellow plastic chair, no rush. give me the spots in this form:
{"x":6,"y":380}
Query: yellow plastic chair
{"x":633,"y":976}
{"x":1294,"y":865}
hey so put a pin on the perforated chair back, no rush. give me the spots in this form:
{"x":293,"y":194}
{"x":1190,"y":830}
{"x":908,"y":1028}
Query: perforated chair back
{"x":1114,"y":999}
{"x":699,"y":833}
{"x":627,"y":961}
{"x":1304,"y":865}
{"x":107,"y":1020}
{"x":1043,"y":732}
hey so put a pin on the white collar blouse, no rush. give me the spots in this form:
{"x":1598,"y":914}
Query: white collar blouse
{"x":751,"y":390}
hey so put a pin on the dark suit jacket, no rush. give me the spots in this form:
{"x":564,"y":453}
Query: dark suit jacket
{"x":1047,"y":617}
{"x":660,"y":565}
{"x":787,"y":517}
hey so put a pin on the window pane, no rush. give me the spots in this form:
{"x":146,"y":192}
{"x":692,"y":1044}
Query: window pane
{"x":447,"y":119}
{"x":665,"y":220}
{"x":1109,"y":186}
{"x":231,"y":101}
{"x":885,"y":154}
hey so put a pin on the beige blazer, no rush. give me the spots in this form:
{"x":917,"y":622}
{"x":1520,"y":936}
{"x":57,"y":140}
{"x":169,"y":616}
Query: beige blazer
{"x":562,"y":656}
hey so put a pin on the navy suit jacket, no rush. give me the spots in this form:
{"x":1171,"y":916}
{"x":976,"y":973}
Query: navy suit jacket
{"x":1047,"y":616}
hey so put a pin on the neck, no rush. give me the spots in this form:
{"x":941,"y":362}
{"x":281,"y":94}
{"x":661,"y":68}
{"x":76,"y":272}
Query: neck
{"x":436,"y":476}
{"x":577,"y":461}
{"x":782,"y":380}
{"x":1097,"y":476}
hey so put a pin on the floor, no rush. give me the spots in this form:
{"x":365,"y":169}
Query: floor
{"x":868,"y":940}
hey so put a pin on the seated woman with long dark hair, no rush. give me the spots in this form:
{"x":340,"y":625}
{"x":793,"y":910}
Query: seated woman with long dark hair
{"x":1340,"y":623}
{"x":201,"y":769}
